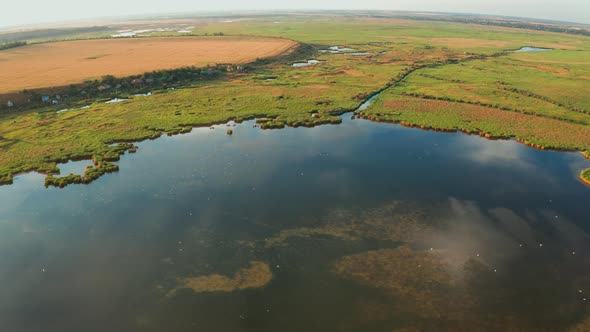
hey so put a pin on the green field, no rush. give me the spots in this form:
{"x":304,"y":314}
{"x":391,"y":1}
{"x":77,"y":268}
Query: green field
{"x":434,"y":75}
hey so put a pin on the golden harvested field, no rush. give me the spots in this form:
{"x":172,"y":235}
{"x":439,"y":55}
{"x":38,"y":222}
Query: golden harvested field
{"x":63,"y":63}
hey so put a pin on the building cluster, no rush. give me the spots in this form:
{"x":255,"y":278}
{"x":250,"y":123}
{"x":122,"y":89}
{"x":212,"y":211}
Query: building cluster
{"x":55,"y":100}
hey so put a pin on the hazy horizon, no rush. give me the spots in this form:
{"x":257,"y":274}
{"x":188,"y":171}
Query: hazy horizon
{"x":20,"y":13}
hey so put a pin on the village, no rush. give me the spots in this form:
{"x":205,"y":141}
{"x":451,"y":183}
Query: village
{"x":110,"y":87}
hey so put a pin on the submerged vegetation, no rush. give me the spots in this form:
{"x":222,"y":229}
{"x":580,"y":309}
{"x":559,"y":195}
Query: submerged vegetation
{"x":257,"y":275}
{"x":432,"y":75}
{"x":420,"y":279}
{"x":433,"y":279}
{"x":398,"y":222}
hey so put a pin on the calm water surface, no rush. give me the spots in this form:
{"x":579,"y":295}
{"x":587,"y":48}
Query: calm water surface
{"x":509,"y":226}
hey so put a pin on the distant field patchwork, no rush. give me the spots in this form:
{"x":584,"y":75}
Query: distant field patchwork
{"x":63,"y":63}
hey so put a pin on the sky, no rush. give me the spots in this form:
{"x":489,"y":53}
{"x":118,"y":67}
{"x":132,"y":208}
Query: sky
{"x":24,"y":12}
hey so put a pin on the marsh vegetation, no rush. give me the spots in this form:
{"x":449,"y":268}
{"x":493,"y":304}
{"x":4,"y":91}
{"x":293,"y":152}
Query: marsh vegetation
{"x":438,"y":76}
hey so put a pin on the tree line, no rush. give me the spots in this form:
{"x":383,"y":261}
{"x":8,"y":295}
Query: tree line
{"x":14,"y":44}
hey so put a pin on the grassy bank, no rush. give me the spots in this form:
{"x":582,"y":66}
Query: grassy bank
{"x":585,"y":176}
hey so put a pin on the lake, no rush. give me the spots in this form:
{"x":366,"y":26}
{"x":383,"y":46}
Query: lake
{"x":361,"y":226}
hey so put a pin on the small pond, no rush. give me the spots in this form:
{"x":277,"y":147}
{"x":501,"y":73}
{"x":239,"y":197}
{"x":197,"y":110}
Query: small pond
{"x":115,"y":100}
{"x":306,"y":64}
{"x":532,"y":49}
{"x":337,"y":50}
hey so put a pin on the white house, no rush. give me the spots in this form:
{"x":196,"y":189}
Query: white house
{"x":10,"y":103}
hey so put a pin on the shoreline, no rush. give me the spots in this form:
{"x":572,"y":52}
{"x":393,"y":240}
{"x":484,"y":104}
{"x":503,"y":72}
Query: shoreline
{"x":124,"y":146}
{"x":469,"y":132}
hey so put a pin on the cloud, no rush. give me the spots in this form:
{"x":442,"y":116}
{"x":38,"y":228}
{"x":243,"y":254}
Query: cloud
{"x":500,"y":236}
